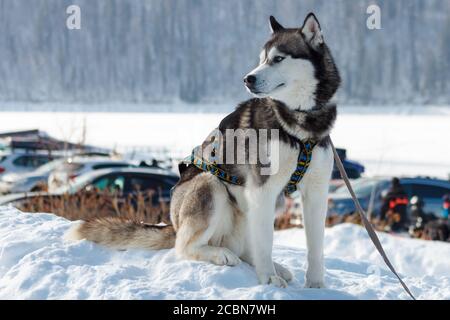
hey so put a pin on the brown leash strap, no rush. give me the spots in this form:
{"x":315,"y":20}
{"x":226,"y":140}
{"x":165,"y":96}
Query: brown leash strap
{"x":373,"y":236}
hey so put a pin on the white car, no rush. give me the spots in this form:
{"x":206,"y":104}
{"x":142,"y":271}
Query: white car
{"x":27,"y":182}
{"x":21,"y":162}
{"x":64,"y":175}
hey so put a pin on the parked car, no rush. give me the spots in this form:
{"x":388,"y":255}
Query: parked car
{"x":122,"y":182}
{"x":20,"y":162}
{"x":74,"y":167}
{"x":4,"y":145}
{"x":353,"y":168}
{"x":28,"y":182}
{"x":125,"y":181}
{"x":429,"y":190}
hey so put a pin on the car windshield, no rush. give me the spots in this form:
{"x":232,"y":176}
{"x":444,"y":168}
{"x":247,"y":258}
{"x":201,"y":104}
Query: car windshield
{"x":3,"y":156}
{"x":70,"y":166}
{"x":362,"y":187}
{"x":77,"y":184}
{"x":52,"y":165}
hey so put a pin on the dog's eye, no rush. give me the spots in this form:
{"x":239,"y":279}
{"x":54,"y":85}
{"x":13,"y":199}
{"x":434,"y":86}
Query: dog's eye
{"x":278,"y":59}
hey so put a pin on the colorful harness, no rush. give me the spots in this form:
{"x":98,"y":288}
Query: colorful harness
{"x":303,"y":161}
{"x":214,"y":169}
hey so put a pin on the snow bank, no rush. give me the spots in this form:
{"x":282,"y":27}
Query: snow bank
{"x":36,"y":263}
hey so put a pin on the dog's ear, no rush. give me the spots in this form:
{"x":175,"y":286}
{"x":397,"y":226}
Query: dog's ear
{"x":275,"y":26}
{"x":311,"y":31}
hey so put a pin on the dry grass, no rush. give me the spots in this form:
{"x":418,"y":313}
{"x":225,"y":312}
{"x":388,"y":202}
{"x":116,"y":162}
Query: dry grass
{"x":140,"y":207}
{"x":284,"y":221}
{"x":90,"y":205}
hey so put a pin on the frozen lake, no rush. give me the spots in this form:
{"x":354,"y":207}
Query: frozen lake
{"x":388,"y":141}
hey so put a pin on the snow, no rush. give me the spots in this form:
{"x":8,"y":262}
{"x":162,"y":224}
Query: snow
{"x":36,"y":263}
{"x":387,"y":140}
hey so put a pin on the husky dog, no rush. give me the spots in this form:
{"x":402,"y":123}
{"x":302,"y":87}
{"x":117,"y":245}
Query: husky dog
{"x":224,"y":223}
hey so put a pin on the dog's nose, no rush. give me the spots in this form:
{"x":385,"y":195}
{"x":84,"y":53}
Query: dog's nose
{"x":250,"y":80}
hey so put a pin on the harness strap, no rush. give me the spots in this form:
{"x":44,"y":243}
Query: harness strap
{"x":373,"y":236}
{"x":213,"y":169}
{"x":303,"y":161}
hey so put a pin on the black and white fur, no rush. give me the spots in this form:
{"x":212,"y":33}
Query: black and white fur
{"x":224,"y":223}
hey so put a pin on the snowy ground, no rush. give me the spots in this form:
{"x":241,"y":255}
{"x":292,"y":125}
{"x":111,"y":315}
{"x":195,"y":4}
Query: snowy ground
{"x":35,"y":263}
{"x":387,"y":140}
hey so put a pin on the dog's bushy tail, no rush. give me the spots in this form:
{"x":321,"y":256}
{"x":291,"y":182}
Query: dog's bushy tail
{"x":122,"y":234}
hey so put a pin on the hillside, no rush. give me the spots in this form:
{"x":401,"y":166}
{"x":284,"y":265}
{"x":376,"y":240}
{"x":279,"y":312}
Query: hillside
{"x":148,"y":51}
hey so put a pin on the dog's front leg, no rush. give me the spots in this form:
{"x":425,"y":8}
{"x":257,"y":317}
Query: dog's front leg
{"x":260,"y":218}
{"x":315,"y":201}
{"x":314,"y":212}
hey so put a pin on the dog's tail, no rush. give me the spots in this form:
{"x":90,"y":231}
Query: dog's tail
{"x":122,"y":234}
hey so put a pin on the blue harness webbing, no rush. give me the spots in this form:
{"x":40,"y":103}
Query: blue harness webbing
{"x":214,"y":169}
{"x":303,"y":161}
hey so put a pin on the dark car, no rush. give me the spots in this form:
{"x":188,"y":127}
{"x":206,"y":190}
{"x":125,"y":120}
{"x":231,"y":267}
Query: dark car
{"x":353,"y":169}
{"x":126,"y":181}
{"x":429,"y":190}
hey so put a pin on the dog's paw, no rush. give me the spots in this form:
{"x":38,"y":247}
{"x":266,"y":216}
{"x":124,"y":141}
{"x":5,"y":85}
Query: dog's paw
{"x":314,"y":276}
{"x":273,"y":279}
{"x":283,"y":272}
{"x":226,"y":257}
{"x":278,"y":281}
{"x":314,"y":284}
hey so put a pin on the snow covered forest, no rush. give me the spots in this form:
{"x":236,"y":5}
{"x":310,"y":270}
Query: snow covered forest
{"x":160,"y":51}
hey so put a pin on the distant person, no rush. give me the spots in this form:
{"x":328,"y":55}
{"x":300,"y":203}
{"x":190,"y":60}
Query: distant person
{"x":143,"y":163}
{"x":153,"y":164}
{"x":416,"y":205}
{"x":437,"y":230}
{"x":445,"y":206}
{"x":419,"y":218}
{"x":394,"y":206}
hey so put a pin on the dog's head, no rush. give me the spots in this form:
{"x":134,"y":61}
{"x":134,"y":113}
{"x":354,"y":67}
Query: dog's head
{"x":295,"y":67}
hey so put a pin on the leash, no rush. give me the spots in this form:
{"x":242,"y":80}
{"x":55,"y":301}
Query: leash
{"x":373,"y":236}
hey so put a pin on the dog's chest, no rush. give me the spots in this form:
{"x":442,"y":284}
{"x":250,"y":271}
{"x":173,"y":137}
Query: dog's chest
{"x":283,"y":165}
{"x":283,"y":162}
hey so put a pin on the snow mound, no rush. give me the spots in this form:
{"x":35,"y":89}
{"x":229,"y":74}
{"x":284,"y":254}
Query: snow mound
{"x":37,"y":263}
